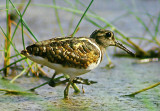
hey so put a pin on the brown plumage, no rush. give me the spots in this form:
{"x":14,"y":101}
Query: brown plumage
{"x":68,"y":51}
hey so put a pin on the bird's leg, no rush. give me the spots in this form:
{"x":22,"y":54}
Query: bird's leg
{"x":52,"y":82}
{"x":75,"y":87}
{"x":66,"y":91}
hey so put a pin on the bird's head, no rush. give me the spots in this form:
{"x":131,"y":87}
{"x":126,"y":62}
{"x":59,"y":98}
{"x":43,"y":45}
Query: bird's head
{"x":106,"y":38}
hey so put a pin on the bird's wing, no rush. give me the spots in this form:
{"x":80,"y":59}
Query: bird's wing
{"x":69,"y":51}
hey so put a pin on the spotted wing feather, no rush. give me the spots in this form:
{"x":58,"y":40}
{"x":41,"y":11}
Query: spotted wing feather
{"x":68,"y":51}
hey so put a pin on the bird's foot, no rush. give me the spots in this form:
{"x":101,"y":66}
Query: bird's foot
{"x":52,"y":83}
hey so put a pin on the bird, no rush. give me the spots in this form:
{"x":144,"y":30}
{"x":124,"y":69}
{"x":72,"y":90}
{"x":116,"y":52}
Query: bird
{"x":73,"y":56}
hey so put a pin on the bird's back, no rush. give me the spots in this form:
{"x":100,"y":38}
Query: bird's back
{"x":73,"y":52}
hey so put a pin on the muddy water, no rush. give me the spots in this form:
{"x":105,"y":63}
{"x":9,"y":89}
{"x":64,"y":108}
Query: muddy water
{"x":105,"y":95}
{"x":125,"y":78}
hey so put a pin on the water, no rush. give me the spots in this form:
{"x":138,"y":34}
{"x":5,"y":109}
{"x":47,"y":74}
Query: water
{"x":125,"y":78}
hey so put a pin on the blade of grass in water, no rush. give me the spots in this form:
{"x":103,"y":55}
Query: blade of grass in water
{"x":9,"y":41}
{"x":15,"y":91}
{"x":157,"y":26}
{"x":13,"y":63}
{"x":94,"y":23}
{"x":157,"y":29}
{"x":58,"y":19}
{"x":82,"y":18}
{"x":142,"y":90}
{"x":3,"y":31}
{"x":73,"y":14}
{"x":14,"y":56}
{"x":142,"y":38}
{"x":7,"y":19}
{"x":142,"y":23}
{"x":24,"y":70}
{"x":22,"y":31}
{"x":12,"y":88}
{"x":7,"y":52}
{"x":87,"y":18}
{"x":26,"y":26}
{"x":20,"y":20}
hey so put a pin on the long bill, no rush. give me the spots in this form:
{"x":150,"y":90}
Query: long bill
{"x":117,"y":44}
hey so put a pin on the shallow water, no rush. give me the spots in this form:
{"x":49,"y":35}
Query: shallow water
{"x":104,"y":95}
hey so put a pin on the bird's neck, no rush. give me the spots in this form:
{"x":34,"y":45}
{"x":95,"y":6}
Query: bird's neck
{"x":103,"y":50}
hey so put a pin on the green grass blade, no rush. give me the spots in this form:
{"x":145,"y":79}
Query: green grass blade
{"x":24,"y":70}
{"x":142,"y":23}
{"x":157,"y":26}
{"x":73,"y":14}
{"x":3,"y":31}
{"x":20,"y":19}
{"x":26,"y":7}
{"x":87,"y":18}
{"x":151,"y":17}
{"x":14,"y":56}
{"x":7,"y":19}
{"x":142,"y":38}
{"x":58,"y":19}
{"x":26,"y":26}
{"x":94,"y":23}
{"x":12,"y":45}
{"x":22,"y":33}
{"x":15,"y":30}
{"x":13,"y":63}
{"x":82,"y":18}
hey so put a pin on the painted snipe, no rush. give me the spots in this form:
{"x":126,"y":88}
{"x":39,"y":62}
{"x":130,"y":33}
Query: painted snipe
{"x":72,"y":56}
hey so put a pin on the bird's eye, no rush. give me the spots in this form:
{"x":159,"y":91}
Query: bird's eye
{"x":108,"y":34}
